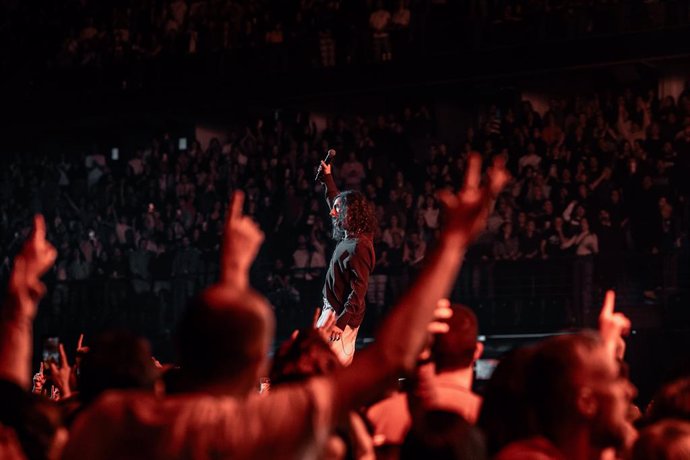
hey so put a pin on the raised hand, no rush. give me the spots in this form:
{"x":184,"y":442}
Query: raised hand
{"x":241,"y":242}
{"x":325,"y":168}
{"x":81,"y":349}
{"x":613,"y":326}
{"x":437,"y":326}
{"x":467,"y":211}
{"x":326,"y":328}
{"x":39,"y":381}
{"x":36,"y":257}
{"x":61,"y":374}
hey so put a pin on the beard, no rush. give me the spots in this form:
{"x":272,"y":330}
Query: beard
{"x":611,"y":433}
{"x":338,"y":232}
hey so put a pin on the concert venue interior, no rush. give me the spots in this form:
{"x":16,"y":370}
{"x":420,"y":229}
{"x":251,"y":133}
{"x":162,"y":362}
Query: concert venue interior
{"x":185,"y":183}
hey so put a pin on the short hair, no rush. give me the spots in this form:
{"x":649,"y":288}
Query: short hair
{"x":671,"y":401}
{"x":116,"y":360}
{"x":455,"y":349}
{"x":443,"y":435}
{"x":356,"y":216}
{"x":665,"y":440}
{"x":552,"y":376}
{"x":222,"y":334}
{"x":505,"y":414}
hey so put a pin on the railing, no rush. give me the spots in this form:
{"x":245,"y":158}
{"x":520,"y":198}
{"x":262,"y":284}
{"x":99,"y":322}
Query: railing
{"x":526,"y":295}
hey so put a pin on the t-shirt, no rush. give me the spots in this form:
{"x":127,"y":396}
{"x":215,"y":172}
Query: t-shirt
{"x":292,"y":422}
{"x":391,"y":418}
{"x":538,"y":448}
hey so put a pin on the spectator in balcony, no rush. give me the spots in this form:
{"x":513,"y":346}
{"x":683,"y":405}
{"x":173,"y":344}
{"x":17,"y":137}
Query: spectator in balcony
{"x":161,"y":274}
{"x":520,"y":226}
{"x":430,"y":212}
{"x":391,"y":230}
{"x":397,"y":273}
{"x":544,"y":218}
{"x":530,"y":158}
{"x":553,"y":239}
{"x":186,"y":269}
{"x":139,"y":261}
{"x":573,"y":215}
{"x":379,"y":23}
{"x":301,"y":260}
{"x":552,"y":133}
{"x":352,"y":172}
{"x":585,"y":242}
{"x":378,"y":280}
{"x":529,"y":241}
{"x":414,"y":252}
{"x":586,"y":245}
{"x":78,"y":269}
{"x":506,"y":245}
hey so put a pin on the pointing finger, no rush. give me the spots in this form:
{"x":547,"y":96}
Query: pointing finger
{"x":474,"y":172}
{"x":39,"y":233}
{"x":236,"y":204}
{"x":315,"y":320}
{"x":609,"y":302}
{"x":63,"y":356}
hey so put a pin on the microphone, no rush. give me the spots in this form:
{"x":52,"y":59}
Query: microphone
{"x":329,"y":155}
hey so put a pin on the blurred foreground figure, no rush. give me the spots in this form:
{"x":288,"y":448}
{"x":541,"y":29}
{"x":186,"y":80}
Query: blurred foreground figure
{"x":665,"y":440}
{"x":223,"y":345}
{"x":580,"y":399}
{"x":30,"y":426}
{"x":445,"y":384}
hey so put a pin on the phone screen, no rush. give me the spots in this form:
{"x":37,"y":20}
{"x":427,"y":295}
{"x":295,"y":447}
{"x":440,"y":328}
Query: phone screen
{"x":115,"y":153}
{"x":182,"y":143}
{"x":50,"y":350}
{"x":484,"y":368}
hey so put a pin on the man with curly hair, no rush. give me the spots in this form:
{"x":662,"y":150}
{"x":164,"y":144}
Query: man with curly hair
{"x":345,"y":287}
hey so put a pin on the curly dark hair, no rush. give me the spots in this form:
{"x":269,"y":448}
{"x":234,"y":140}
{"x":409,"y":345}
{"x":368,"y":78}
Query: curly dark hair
{"x":356,"y":216}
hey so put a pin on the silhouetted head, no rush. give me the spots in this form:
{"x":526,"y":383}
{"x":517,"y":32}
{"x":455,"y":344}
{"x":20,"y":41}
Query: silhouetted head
{"x":458,"y":348}
{"x":224,"y":338}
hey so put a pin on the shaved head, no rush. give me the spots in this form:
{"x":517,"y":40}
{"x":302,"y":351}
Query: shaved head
{"x":225,"y":334}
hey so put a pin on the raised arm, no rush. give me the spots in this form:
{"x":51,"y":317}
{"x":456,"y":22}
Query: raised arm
{"x":327,"y":179}
{"x":25,"y":291}
{"x":242,"y":239}
{"x":613,"y":326}
{"x":404,"y":332}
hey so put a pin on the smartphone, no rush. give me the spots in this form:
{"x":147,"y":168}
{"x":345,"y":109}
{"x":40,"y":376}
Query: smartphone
{"x":182,"y":143}
{"x":484,"y":368}
{"x":115,"y":153}
{"x":51,"y":352}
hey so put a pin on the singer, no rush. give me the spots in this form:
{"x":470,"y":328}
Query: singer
{"x":345,"y":287}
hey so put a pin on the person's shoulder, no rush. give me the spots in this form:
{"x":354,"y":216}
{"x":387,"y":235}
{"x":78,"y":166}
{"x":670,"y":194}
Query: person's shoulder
{"x":538,"y":448}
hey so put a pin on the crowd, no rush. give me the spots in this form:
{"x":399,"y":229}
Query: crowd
{"x":567,"y":397}
{"x":312,"y":33}
{"x":595,"y":179}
